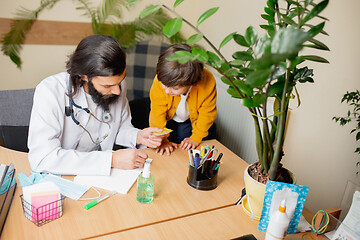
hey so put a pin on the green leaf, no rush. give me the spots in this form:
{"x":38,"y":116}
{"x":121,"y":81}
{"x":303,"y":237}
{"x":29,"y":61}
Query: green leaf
{"x":182,"y":57}
{"x":194,"y":38}
{"x":358,"y":136}
{"x":242,"y":55}
{"x":256,"y":101}
{"x":149,"y":10}
{"x":240,"y":39}
{"x":270,"y":5}
{"x":357,"y":150}
{"x":279,"y":71}
{"x":269,"y":28}
{"x":268,"y":18}
{"x":316,"y":29}
{"x":288,"y":20}
{"x":233,"y":92}
{"x":214,"y":60}
{"x":244,"y":88}
{"x":276,"y":88}
{"x":318,"y":45}
{"x":206,"y":15}
{"x":269,"y":11}
{"x":263,"y":45}
{"x":322,"y":31}
{"x":248,"y":102}
{"x":225,"y":80}
{"x":314,"y":58}
{"x":177,"y":3}
{"x":296,"y":62}
{"x":307,"y":79}
{"x":227,"y":39}
{"x":303,"y":74}
{"x":268,"y":60}
{"x":200,"y":54}
{"x":224,"y":67}
{"x":288,"y":40}
{"x":131,"y":2}
{"x":315,"y":11}
{"x":231,"y":72}
{"x":16,"y":59}
{"x":172,"y":27}
{"x":250,"y":35}
{"x":237,"y":62}
{"x":258,"y":78}
{"x":246,"y":71}
{"x":259,"y":99}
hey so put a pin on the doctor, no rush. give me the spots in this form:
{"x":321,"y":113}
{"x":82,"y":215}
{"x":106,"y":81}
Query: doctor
{"x":78,"y":115}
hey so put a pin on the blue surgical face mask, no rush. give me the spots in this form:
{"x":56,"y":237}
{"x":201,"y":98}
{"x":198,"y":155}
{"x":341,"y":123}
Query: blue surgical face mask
{"x":67,"y":188}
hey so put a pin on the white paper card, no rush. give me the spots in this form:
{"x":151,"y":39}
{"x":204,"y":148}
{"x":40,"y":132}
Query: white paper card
{"x":119,"y":180}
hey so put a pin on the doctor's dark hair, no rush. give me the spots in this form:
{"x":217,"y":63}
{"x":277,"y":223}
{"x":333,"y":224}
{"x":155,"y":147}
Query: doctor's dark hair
{"x":95,"y":55}
{"x":172,"y":73}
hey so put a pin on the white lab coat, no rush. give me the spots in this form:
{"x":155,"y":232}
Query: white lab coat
{"x":53,"y":136}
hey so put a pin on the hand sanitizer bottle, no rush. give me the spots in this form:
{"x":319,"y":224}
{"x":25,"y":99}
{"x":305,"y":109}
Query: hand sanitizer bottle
{"x":278,"y":224}
{"x":145,"y":185}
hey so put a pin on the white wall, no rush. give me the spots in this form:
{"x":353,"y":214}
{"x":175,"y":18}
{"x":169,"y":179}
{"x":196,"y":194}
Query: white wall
{"x":318,"y":151}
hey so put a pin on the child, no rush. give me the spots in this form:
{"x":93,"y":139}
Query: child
{"x":183,"y":98}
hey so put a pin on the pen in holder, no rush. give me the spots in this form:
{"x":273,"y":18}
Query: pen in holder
{"x":204,"y":177}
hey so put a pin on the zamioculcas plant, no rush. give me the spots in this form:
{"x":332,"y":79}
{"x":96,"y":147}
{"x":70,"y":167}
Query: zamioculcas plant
{"x":264,"y":69}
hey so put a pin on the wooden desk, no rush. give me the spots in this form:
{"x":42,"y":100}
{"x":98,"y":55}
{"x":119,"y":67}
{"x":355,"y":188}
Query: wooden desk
{"x":174,"y":198}
{"x":225,"y":223}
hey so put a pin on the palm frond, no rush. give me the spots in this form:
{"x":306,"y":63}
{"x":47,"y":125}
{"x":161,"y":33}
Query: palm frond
{"x":105,"y":19}
{"x":24,"y":19}
{"x":85,"y":5}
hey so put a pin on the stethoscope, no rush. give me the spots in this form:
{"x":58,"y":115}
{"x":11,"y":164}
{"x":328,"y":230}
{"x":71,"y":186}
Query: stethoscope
{"x":69,"y":112}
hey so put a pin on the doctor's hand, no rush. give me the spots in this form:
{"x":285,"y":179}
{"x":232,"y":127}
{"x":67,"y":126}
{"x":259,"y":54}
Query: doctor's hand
{"x":146,"y":137}
{"x":128,"y":159}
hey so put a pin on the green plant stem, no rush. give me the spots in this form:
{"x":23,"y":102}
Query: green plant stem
{"x":259,"y":144}
{"x":280,"y":131}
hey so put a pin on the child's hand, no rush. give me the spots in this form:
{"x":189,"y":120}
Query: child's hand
{"x":167,"y":147}
{"x":188,"y":143}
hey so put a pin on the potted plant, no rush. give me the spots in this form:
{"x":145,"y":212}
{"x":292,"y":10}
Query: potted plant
{"x":265,"y":69}
{"x":353,"y":100}
{"x":105,"y":19}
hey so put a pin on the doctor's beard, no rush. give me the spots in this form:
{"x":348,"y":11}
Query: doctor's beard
{"x":102,"y":100}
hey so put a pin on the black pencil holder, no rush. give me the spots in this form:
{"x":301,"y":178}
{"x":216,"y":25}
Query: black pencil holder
{"x":202,"y":180}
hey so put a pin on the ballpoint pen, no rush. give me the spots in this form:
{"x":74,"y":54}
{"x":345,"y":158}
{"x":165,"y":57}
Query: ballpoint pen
{"x":217,"y":162}
{"x":93,"y":203}
{"x":197,"y":160}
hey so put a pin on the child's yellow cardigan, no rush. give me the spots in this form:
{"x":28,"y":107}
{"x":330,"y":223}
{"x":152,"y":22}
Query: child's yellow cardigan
{"x":201,"y":102}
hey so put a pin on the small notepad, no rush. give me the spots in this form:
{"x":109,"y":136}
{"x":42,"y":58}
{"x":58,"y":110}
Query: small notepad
{"x":44,"y":201}
{"x":119,"y":180}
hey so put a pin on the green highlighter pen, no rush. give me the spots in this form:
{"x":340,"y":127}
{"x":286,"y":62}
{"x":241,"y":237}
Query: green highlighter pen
{"x":93,"y":203}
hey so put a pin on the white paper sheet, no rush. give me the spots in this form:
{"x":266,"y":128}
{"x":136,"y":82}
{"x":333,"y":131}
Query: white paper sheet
{"x":350,"y":227}
{"x":119,"y":180}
